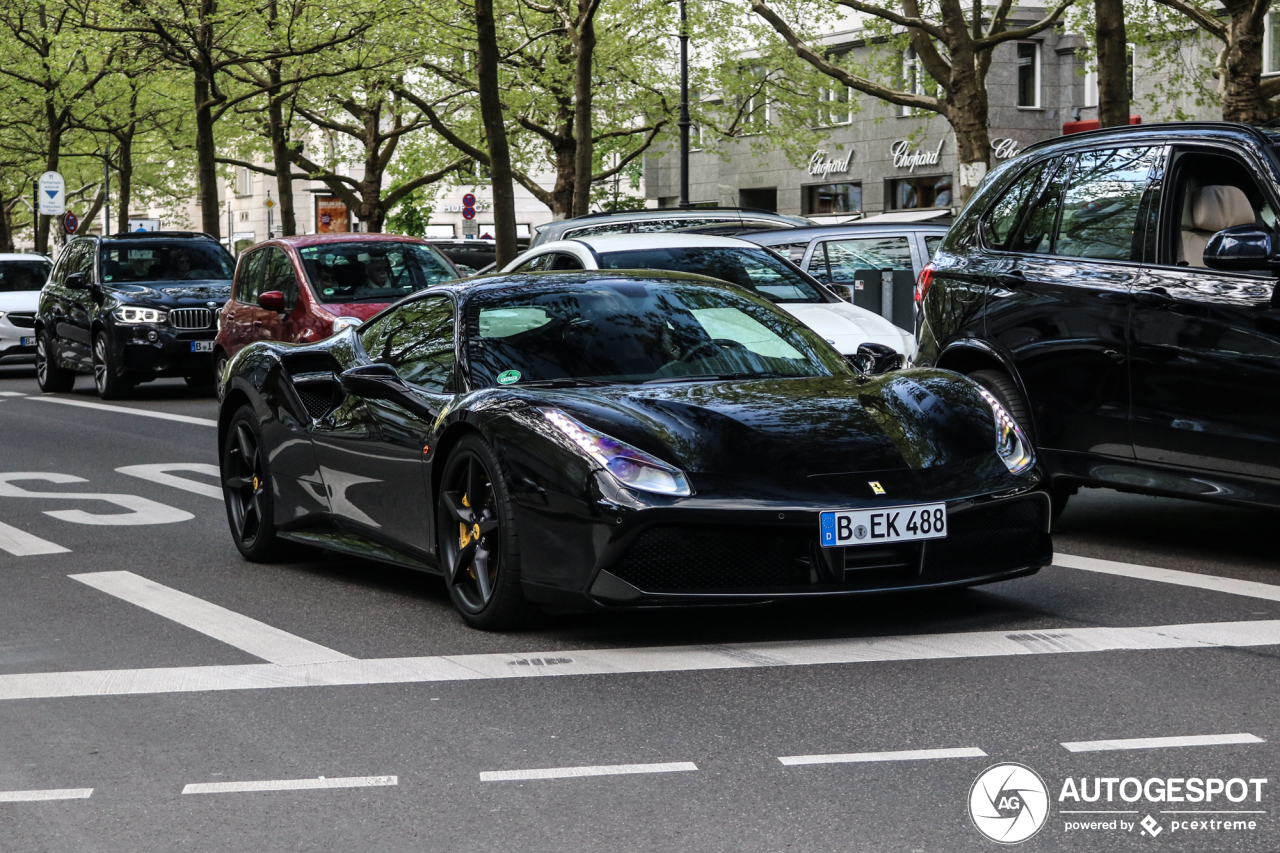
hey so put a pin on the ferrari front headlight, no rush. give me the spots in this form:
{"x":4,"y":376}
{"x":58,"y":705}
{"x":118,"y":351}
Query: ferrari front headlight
{"x":1011,"y":442}
{"x":629,"y":465}
{"x":130,"y":314}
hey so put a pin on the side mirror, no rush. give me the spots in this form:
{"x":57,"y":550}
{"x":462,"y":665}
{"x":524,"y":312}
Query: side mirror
{"x":1242,"y":247}
{"x":373,"y":381}
{"x":873,"y":359}
{"x":272,"y":300}
{"x":76,"y":281}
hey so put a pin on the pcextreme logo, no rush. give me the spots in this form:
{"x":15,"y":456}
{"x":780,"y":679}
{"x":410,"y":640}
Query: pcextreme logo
{"x":1009,"y":803}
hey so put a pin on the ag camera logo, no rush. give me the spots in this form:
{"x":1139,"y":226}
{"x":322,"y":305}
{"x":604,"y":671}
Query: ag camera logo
{"x":1009,"y":803}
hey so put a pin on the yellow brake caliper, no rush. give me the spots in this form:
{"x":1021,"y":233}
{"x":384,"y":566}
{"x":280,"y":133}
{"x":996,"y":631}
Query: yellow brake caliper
{"x":466,"y":537}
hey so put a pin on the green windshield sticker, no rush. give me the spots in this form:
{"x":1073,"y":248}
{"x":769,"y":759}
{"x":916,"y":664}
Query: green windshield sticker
{"x":508,"y":377}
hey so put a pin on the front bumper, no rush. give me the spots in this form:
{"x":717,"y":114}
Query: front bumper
{"x":169,"y":354}
{"x":17,"y":338}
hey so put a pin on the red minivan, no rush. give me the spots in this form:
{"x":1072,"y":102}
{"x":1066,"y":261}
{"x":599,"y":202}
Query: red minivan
{"x":303,"y":289}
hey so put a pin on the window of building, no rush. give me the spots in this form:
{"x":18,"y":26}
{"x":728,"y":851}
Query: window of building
{"x":1271,"y":44}
{"x":912,"y":77}
{"x":244,"y":181}
{"x":920,"y":192}
{"x":834,"y":107}
{"x":764,"y":198}
{"x":1029,"y":74}
{"x":833,"y":198}
{"x":1091,"y":79}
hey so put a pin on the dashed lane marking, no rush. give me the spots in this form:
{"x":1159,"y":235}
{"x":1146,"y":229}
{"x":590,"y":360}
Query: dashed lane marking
{"x":1252,"y":589}
{"x":291,"y":785}
{"x":959,"y":646}
{"x":895,"y":755}
{"x":20,"y":543}
{"x":576,"y":772}
{"x":249,"y":635}
{"x":1160,"y":742}
{"x":52,"y":794}
{"x":12,"y":394}
{"x":162,"y":473}
{"x":125,"y":410}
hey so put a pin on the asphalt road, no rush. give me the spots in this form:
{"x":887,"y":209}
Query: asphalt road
{"x":139,"y":659}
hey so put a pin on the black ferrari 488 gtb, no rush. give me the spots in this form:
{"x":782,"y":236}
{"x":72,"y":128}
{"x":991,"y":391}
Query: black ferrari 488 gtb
{"x":611,"y":440}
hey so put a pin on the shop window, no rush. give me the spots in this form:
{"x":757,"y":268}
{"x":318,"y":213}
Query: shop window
{"x":759,"y":199}
{"x":1029,"y":74}
{"x":922,"y":192}
{"x":833,"y":198}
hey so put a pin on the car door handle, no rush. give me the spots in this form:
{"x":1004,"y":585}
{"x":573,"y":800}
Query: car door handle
{"x":1012,"y":279}
{"x":1153,"y":296}
{"x":257,"y":322}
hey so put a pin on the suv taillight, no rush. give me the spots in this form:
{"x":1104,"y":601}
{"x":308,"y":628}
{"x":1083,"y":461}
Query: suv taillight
{"x":924,"y":282}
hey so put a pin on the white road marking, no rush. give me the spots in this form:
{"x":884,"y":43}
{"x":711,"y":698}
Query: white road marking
{"x":141,"y":510}
{"x":52,"y":794}
{"x":290,"y":784}
{"x":249,"y":635}
{"x":145,"y":413}
{"x":895,"y":755}
{"x":1253,"y":589}
{"x":12,"y":394}
{"x":161,"y":474}
{"x":1160,"y":742}
{"x":20,"y":543}
{"x":575,"y":772}
{"x":960,"y":646}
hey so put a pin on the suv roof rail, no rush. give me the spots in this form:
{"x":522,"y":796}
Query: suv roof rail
{"x":668,"y":210}
{"x":148,"y":235}
{"x":1257,"y":132}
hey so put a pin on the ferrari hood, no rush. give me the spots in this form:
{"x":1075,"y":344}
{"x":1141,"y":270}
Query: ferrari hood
{"x":793,"y":427}
{"x":846,"y":326}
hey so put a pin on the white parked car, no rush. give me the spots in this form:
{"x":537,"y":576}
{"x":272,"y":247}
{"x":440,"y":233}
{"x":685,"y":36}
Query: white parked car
{"x":737,"y":261}
{"x":21,"y":277}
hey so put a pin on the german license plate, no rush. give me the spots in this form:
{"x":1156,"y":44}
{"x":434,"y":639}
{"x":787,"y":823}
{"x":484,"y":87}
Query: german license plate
{"x":840,"y":529}
{"x":202,"y":346}
{"x":26,"y":342}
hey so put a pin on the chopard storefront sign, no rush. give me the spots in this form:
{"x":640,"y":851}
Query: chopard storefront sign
{"x":822,"y":165}
{"x":1004,"y":149}
{"x":906,"y":157}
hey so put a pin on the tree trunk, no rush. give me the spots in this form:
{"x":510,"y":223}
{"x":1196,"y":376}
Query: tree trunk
{"x":280,"y":156}
{"x":495,"y":131}
{"x":6,"y":226}
{"x":1113,"y":63}
{"x":967,"y":114}
{"x":206,"y":165}
{"x":125,"y":182}
{"x":584,"y":158}
{"x":1242,"y":95}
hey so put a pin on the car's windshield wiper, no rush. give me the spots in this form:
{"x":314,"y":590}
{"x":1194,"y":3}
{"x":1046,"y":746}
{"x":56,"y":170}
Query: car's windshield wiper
{"x":563,"y":382}
{"x":711,"y":377}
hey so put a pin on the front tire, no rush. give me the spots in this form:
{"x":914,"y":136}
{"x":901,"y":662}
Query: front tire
{"x":247,"y":491}
{"x":106,"y":373}
{"x":50,"y":376}
{"x":476,"y":531}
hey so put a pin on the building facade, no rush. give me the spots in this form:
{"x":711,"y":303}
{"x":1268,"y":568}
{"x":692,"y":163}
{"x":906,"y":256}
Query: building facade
{"x":877,"y":157}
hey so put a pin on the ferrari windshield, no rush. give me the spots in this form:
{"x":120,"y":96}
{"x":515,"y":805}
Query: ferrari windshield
{"x":755,"y":269}
{"x":372,"y":271}
{"x":633,"y":330}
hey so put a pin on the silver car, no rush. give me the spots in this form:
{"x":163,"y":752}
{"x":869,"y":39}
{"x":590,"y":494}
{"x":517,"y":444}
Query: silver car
{"x":21,"y":277}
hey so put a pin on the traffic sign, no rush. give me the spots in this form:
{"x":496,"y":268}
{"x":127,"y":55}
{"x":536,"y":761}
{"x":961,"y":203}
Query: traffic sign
{"x":51,"y":191}
{"x":268,"y":204}
{"x":471,"y":230}
{"x":469,"y":200}
{"x":468,"y":213}
{"x":70,"y":222}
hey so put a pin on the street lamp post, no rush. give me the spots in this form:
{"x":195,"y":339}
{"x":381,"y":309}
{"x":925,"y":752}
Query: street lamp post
{"x":684,"y":104}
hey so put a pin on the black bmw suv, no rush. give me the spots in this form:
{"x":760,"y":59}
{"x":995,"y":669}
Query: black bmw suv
{"x":1117,"y":291}
{"x":130,"y":308}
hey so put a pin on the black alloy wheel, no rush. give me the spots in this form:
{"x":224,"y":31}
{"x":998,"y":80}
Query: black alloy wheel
{"x":246,"y":488}
{"x":475,"y":530}
{"x":1001,"y":386}
{"x":50,"y":376}
{"x":106,"y":374}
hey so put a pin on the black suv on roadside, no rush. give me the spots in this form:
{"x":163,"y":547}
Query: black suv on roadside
{"x":130,"y":308}
{"x":1116,"y":290}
